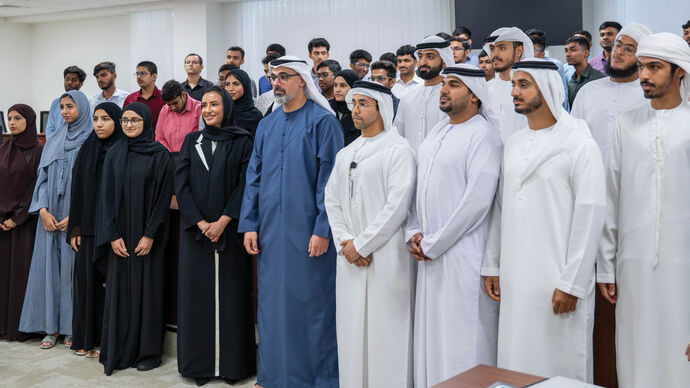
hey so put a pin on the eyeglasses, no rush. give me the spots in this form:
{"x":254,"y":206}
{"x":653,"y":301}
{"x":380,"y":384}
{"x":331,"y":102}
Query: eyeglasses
{"x":141,"y":73}
{"x":191,"y":62}
{"x":379,"y":78}
{"x":627,"y":49}
{"x":362,"y":64}
{"x":458,"y":48}
{"x":361,"y":105}
{"x":283,"y":77}
{"x":134,"y":121}
{"x":324,"y":75}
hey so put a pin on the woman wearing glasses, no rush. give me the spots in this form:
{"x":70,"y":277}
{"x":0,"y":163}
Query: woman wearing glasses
{"x":132,"y":221}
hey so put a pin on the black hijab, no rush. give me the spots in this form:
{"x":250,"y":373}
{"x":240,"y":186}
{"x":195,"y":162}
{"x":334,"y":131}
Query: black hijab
{"x":15,"y":172}
{"x":227,"y":130}
{"x":247,"y":115}
{"x":344,"y":115}
{"x":87,"y":172}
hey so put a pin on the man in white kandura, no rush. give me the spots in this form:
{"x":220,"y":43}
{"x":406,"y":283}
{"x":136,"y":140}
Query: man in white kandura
{"x":545,"y":228}
{"x":367,"y":199}
{"x":418,"y":110}
{"x":459,"y":164}
{"x":599,"y":102}
{"x":643,"y":265}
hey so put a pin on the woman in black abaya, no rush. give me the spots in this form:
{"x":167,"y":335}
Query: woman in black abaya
{"x":136,"y":188}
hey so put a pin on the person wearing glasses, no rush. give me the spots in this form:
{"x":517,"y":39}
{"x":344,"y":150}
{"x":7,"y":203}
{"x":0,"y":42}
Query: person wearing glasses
{"x":325,"y":72}
{"x":383,"y":72}
{"x":461,"y":49}
{"x":285,"y":223}
{"x":601,"y":101}
{"x":359,"y":62}
{"x":146,"y":75}
{"x":195,"y":85}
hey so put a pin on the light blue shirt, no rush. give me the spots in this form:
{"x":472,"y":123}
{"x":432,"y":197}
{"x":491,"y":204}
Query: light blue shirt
{"x":563,"y":73}
{"x":54,"y":117}
{"x":118,"y":98}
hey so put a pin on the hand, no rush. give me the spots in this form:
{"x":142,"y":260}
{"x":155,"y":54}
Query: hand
{"x":215,"y":229}
{"x":203,"y":226}
{"x":62,"y":225}
{"x":352,"y":256}
{"x":119,"y":247}
{"x":608,"y":291}
{"x":563,"y":302}
{"x":4,"y":228}
{"x":9,"y":224}
{"x":317,"y":245}
{"x":416,"y":248}
{"x":492,"y":287}
{"x":49,"y":221}
{"x":251,"y":243}
{"x":75,"y":242}
{"x":144,"y":246}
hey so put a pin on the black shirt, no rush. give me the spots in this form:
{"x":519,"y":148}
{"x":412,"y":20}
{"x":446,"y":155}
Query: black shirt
{"x":198,"y":92}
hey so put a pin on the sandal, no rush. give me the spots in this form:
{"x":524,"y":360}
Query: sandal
{"x":50,"y":340}
{"x":68,"y":341}
{"x":93,"y":354}
{"x":80,"y":352}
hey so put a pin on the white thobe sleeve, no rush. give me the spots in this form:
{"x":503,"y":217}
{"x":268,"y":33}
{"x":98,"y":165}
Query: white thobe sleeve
{"x":483,"y":170}
{"x":334,"y":211}
{"x":400,"y":179}
{"x":492,"y":255}
{"x":412,"y":227}
{"x":399,"y":121}
{"x":589,"y":188}
{"x":606,"y":256}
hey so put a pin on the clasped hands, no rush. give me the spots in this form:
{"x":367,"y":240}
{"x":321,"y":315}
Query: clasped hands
{"x":213,"y":230}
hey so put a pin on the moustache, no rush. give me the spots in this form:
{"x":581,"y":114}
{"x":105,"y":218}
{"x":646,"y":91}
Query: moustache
{"x":518,"y":100}
{"x":645,"y":83}
{"x":278,"y":89}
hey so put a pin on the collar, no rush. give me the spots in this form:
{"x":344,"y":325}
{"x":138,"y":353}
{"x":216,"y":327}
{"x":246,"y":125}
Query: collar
{"x":156,"y":93}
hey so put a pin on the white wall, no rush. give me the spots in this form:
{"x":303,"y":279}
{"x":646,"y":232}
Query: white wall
{"x":15,"y":66}
{"x":84,"y":43}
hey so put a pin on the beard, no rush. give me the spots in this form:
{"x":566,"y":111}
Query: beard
{"x":432,"y":73}
{"x":531,"y":106}
{"x":280,"y":100}
{"x":106,"y":86}
{"x":620,"y":73}
{"x":659,"y":90}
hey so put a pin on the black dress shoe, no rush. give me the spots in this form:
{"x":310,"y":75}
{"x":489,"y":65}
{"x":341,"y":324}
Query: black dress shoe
{"x":200,"y":382}
{"x":145,"y":365}
{"x":231,"y":381}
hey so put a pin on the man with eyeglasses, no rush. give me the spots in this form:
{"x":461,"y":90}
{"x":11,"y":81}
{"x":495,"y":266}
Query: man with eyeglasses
{"x":149,"y":94}
{"x":461,"y":49}
{"x":325,"y":73}
{"x":359,"y":62}
{"x":195,"y":85}
{"x":601,"y":101}
{"x":383,"y":72}
{"x":284,"y":222}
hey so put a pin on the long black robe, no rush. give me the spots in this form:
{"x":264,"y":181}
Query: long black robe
{"x":350,"y":133}
{"x":88,"y":292}
{"x":205,"y":281}
{"x":19,"y":159}
{"x":136,"y":188}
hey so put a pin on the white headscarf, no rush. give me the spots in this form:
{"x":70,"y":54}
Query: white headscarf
{"x":670,"y":48}
{"x":491,"y":39}
{"x":378,"y":92}
{"x":545,"y":74}
{"x":514,"y":34}
{"x":301,"y":67}
{"x":474,"y":78}
{"x":635,"y":31}
{"x":441,"y":46}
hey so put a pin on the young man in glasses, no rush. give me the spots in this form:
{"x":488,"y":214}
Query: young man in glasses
{"x":360,"y":61}
{"x":383,"y":72}
{"x":195,"y":85}
{"x":149,"y":94}
{"x":325,"y":73}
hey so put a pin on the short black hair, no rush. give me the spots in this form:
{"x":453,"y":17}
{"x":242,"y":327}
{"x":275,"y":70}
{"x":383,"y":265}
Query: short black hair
{"x":608,"y":24}
{"x":318,"y":42}
{"x":390,"y":57}
{"x":483,"y":54}
{"x":444,"y":35}
{"x":332,"y":65}
{"x":171,"y":90}
{"x":108,"y":66}
{"x":150,"y":66}
{"x":268,"y":58}
{"x":535,"y":31}
{"x":585,"y":33}
{"x":686,"y":25}
{"x":385,"y":65}
{"x":75,"y":70}
{"x":538,"y":41}
{"x":201,"y":60}
{"x":579,"y":40}
{"x":406,"y":49}
{"x":277,"y":47}
{"x":237,"y":48}
{"x":465,"y":43}
{"x":460,"y":30}
{"x":227,"y":66}
{"x":360,"y":54}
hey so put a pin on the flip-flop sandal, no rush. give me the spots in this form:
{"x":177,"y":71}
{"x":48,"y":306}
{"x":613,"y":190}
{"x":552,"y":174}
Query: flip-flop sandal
{"x":68,"y":341}
{"x":51,"y":339}
{"x":93,"y":354}
{"x":80,"y":352}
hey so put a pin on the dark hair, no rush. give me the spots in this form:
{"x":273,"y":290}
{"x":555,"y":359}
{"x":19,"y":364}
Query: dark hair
{"x":227,"y":66}
{"x":332,"y":65}
{"x":150,"y":66}
{"x":538,"y":41}
{"x":108,"y":66}
{"x":68,"y":96}
{"x":535,"y":31}
{"x":465,"y":44}
{"x":686,"y":25}
{"x":385,"y":65}
{"x":360,"y":54}
{"x":579,"y":40}
{"x":75,"y":70}
{"x":390,"y":57}
{"x":406,"y":50}
{"x":268,"y":58}
{"x":318,"y":42}
{"x":585,"y":33}
{"x":444,"y":35}
{"x":277,"y":47}
{"x":201,"y":60}
{"x":460,"y":30}
{"x":608,"y":24}
{"x":483,"y":54}
{"x":171,"y":90}
{"x":237,"y":48}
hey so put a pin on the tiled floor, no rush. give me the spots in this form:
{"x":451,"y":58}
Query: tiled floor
{"x":26,"y":365}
